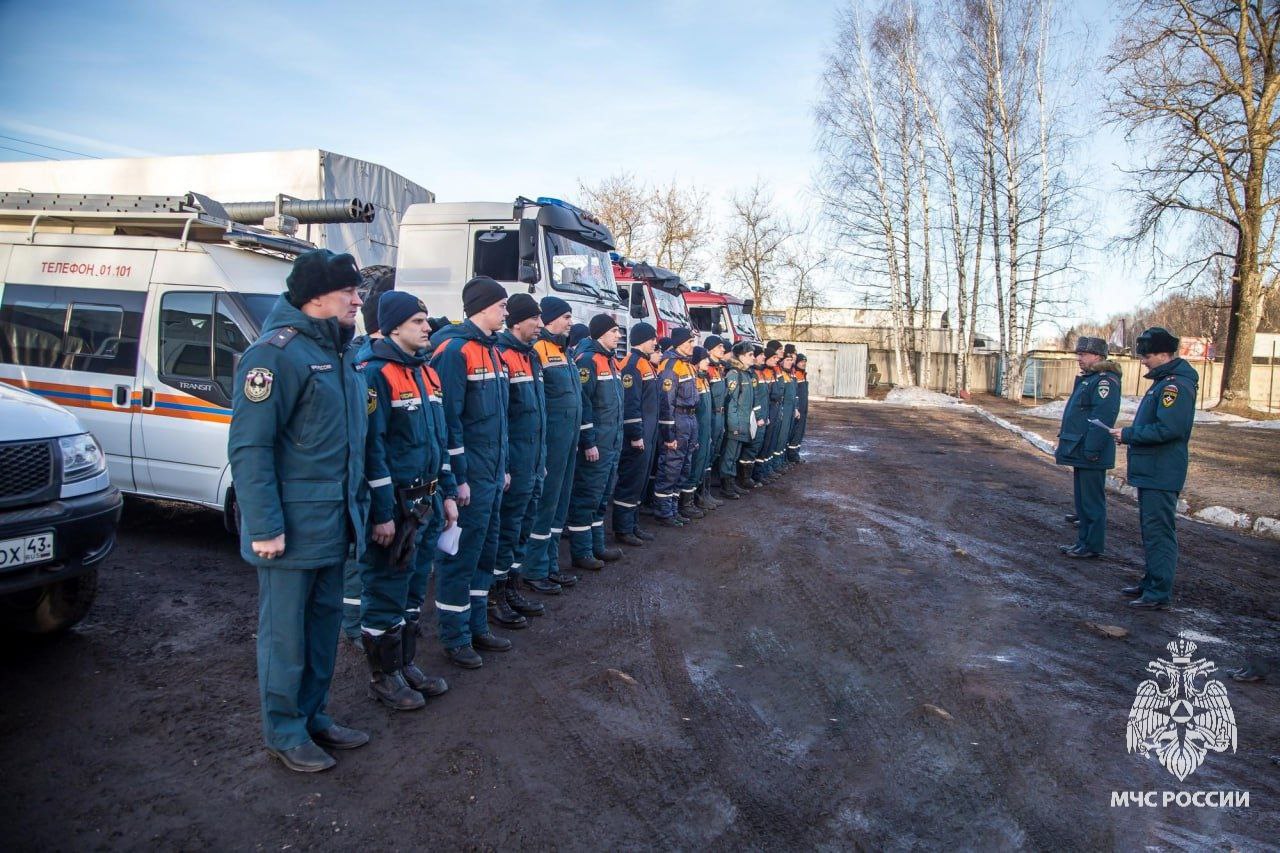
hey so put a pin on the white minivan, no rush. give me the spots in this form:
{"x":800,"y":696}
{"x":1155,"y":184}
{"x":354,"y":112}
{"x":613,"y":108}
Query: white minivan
{"x":135,"y":323}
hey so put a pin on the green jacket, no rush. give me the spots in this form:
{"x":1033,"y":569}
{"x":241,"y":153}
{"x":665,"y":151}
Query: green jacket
{"x":739,"y":402}
{"x":1096,"y":396}
{"x":1162,"y":428}
{"x":296,"y":442}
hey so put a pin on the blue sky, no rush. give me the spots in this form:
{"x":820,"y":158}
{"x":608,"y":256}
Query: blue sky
{"x":472,"y":100}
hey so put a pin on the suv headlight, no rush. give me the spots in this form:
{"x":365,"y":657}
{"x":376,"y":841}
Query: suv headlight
{"x":82,"y":458}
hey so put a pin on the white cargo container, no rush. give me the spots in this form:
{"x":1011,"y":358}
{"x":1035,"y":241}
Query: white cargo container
{"x":308,"y":173}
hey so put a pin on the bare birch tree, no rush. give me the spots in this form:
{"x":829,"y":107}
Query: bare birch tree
{"x":755,"y":235}
{"x":1198,"y":84}
{"x":681,"y":227}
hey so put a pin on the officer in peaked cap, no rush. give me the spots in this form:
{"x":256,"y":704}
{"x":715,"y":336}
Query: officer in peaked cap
{"x":1086,"y":447}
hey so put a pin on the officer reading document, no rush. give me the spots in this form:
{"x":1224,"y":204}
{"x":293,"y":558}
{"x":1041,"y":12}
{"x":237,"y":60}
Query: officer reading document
{"x":296,"y":449}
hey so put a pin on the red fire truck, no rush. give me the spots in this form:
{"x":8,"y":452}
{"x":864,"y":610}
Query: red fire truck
{"x":716,"y":313}
{"x":652,"y":295}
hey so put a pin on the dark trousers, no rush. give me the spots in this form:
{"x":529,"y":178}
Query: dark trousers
{"x":299,"y":616}
{"x":542,"y":554}
{"x":463,"y":579}
{"x":633,"y":476}
{"x":674,"y":465}
{"x":734,"y":447}
{"x":1091,"y":508}
{"x":1157,"y":510}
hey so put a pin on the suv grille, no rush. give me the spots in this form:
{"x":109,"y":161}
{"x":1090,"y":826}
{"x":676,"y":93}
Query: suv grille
{"x":26,"y":471}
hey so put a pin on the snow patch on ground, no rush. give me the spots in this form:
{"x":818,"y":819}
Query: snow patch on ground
{"x":1129,"y":406}
{"x":920,"y":397}
{"x":1038,"y":441}
{"x":1224,"y":517}
{"x":1259,"y":424}
{"x":1269,"y":527}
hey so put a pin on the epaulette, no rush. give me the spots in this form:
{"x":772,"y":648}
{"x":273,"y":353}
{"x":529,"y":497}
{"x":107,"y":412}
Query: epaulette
{"x":282,"y":337}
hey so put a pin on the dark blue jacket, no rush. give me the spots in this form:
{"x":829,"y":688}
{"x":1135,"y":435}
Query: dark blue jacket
{"x":639,"y":398}
{"x":740,"y":401}
{"x":1096,"y":395}
{"x":296,"y":441}
{"x":678,"y":386}
{"x":407,"y":436}
{"x":475,"y":401}
{"x":526,"y":406}
{"x":601,"y":398}
{"x":1161,"y":428}
{"x":560,"y":385}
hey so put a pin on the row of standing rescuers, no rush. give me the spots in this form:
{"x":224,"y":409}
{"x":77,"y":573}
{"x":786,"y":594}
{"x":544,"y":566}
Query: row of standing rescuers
{"x":286,"y":447}
{"x":1158,"y":457}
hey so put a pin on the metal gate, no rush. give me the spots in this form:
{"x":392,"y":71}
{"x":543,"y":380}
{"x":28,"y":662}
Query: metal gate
{"x":836,"y":370}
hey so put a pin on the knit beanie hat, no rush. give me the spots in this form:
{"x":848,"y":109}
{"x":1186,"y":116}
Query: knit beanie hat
{"x":521,"y":307}
{"x":577,"y":332}
{"x":479,"y":293}
{"x":699,"y":354}
{"x":714,"y":341}
{"x":395,"y":307}
{"x":553,"y":308}
{"x":318,"y":272}
{"x":600,"y":324}
{"x":680,"y":335}
{"x":642,"y":332}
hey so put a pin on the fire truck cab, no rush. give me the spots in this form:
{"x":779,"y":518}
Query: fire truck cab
{"x":652,"y":294}
{"x":715,"y":313}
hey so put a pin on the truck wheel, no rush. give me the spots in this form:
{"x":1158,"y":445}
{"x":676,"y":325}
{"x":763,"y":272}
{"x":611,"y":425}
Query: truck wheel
{"x":51,"y":609}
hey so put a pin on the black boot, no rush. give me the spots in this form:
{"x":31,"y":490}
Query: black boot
{"x":386,"y":684}
{"x":745,"y":482}
{"x":687,"y":509}
{"x":643,"y":535}
{"x":425,"y":684}
{"x":500,"y":611}
{"x":727,"y":491}
{"x":518,"y":602}
{"x":704,"y":492}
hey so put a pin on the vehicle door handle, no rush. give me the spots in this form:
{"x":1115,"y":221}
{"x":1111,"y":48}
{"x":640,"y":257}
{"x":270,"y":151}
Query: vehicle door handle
{"x":121,"y":396}
{"x":148,"y":398}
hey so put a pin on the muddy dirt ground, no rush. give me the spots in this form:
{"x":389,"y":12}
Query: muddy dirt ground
{"x":783,"y":652}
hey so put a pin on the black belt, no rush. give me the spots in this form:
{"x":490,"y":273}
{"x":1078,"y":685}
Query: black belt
{"x":688,"y":410}
{"x":416,"y":492}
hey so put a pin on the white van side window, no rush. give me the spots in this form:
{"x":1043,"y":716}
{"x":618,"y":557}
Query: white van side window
{"x":71,"y":328}
{"x":199,"y":342}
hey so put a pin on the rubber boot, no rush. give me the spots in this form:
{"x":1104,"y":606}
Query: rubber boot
{"x":500,"y":610}
{"x":687,"y":509}
{"x":727,"y":491}
{"x":744,"y":479}
{"x":518,"y":602}
{"x":427,"y":685}
{"x":386,"y":683}
{"x":706,"y":500}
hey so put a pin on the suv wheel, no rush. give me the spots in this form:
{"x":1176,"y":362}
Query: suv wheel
{"x":51,"y":609}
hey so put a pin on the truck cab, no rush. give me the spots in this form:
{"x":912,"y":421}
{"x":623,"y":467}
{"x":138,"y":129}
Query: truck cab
{"x":722,"y":314}
{"x":653,"y":295}
{"x":545,"y":247}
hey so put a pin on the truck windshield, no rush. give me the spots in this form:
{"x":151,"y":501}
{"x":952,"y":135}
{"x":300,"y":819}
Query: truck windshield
{"x":580,"y":269}
{"x":743,"y":322}
{"x":671,"y":308}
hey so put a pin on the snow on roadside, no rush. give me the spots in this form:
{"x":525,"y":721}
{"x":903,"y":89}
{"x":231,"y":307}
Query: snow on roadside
{"x":1129,"y":406}
{"x":1037,"y":440}
{"x":920,"y":398}
{"x":1259,"y":424}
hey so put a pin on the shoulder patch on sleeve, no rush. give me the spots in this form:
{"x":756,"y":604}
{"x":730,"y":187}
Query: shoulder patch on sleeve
{"x":282,"y":337}
{"x":627,"y":380}
{"x":1104,"y":389}
{"x":1169,"y":395}
{"x":584,"y":375}
{"x":257,"y":384}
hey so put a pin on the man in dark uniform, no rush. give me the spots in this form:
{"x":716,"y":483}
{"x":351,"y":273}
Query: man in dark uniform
{"x":771,"y":378}
{"x":526,"y":458}
{"x":701,"y":362}
{"x":1086,"y":447}
{"x":296,"y":447}
{"x":715,"y":348}
{"x":1158,"y":459}
{"x":475,"y":413}
{"x":739,"y":418}
{"x":787,"y":412}
{"x":802,"y":409}
{"x":677,"y":421}
{"x":747,"y":478}
{"x":639,"y":435}
{"x":411,"y":487}
{"x":599,"y":445}
{"x":562,"y":390}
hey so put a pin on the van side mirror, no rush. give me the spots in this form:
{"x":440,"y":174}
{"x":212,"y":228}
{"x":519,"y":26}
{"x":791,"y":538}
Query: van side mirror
{"x":528,"y":275}
{"x":716,"y":328}
{"x":639,"y":311}
{"x":529,"y":241}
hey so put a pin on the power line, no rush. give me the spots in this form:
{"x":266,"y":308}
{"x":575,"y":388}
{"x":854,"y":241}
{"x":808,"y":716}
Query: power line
{"x":50,"y":147}
{"x":28,"y":153}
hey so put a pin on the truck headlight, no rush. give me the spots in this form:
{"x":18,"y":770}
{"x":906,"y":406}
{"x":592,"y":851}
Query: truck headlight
{"x":82,"y":458}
